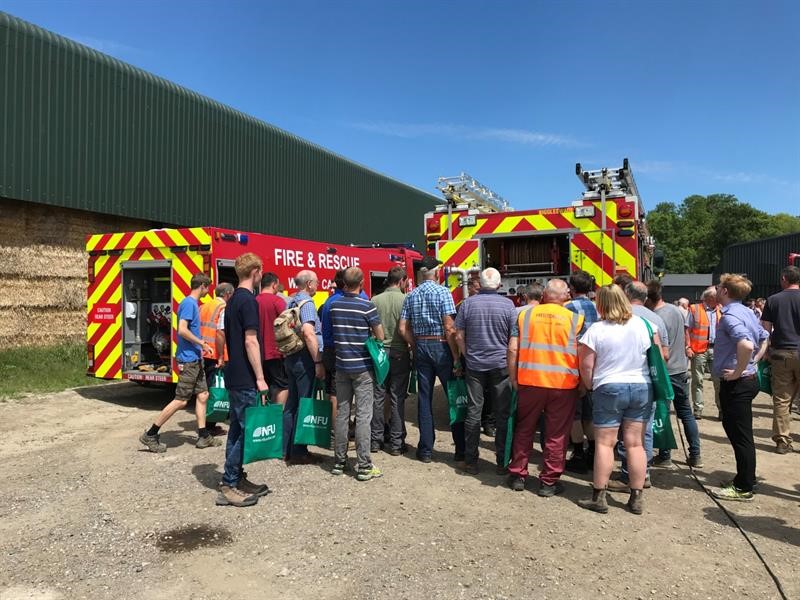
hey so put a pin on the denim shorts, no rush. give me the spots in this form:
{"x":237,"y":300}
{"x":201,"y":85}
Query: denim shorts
{"x":617,"y":402}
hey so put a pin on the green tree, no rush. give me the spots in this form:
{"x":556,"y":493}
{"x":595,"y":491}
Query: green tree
{"x":694,"y":233}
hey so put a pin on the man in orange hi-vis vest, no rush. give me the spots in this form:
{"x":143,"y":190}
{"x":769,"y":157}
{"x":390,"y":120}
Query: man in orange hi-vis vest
{"x":701,"y":331}
{"x":212,"y":331}
{"x":543,"y":367}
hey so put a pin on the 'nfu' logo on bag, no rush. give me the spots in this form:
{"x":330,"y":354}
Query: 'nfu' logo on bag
{"x":260,"y":434}
{"x":461,"y":401}
{"x":316,"y":421}
{"x":221,"y":405}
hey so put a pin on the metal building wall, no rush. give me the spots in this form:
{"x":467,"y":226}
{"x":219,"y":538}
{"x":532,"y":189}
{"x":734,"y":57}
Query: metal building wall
{"x":79,"y":129}
{"x":761,"y":261}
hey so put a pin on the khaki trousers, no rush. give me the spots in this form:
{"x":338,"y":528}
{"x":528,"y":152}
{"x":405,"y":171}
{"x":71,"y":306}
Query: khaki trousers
{"x":785,"y":382}
{"x":699,"y":362}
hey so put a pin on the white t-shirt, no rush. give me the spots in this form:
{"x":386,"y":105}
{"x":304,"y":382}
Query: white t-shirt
{"x":621,"y":351}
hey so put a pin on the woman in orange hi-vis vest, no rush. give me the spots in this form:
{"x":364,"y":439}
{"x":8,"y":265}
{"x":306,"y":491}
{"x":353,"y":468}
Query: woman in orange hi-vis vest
{"x":543,"y":366}
{"x":613,"y":363}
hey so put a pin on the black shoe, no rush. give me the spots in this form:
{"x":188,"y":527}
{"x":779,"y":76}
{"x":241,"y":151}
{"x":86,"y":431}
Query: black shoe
{"x":395,"y":452}
{"x":501,"y":470}
{"x":577,"y":464}
{"x":424,"y":458}
{"x":516,"y":483}
{"x":546,"y":491}
{"x":489,"y":430}
{"x":458,"y":457}
{"x":375,"y":447}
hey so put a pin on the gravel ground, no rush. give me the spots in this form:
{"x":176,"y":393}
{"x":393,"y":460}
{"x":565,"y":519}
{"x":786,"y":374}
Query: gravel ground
{"x":85,"y":513}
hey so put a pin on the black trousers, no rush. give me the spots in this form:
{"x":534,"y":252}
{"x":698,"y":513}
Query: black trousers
{"x":736,"y":401}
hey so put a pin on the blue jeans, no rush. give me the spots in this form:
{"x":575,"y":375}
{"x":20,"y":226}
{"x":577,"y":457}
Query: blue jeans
{"x":241,"y":400}
{"x":683,"y":410}
{"x":433,"y":359}
{"x":300,"y":371}
{"x":612,"y":406}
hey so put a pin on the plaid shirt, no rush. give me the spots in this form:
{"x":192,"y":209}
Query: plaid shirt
{"x":583,"y":306}
{"x":424,"y":308}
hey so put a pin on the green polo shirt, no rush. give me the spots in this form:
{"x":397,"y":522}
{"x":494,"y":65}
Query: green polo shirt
{"x":390,"y":303}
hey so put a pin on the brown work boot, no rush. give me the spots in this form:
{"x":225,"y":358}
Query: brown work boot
{"x":230,"y":496}
{"x":636,"y":502}
{"x":207,"y":441}
{"x":252,"y":489}
{"x":783,"y":448}
{"x":598,"y":502}
{"x":153,"y":443}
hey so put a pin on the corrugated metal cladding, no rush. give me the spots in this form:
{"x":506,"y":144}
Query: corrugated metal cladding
{"x":83,"y":130}
{"x":761,"y":261}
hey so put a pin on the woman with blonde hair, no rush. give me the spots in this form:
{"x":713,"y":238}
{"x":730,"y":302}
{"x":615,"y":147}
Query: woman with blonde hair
{"x":613,"y":364}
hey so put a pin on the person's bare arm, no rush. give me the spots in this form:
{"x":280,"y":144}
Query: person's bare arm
{"x":461,"y":342}
{"x":663,"y":349}
{"x":513,"y":351}
{"x":744,"y":350}
{"x":310,"y":338}
{"x":688,"y":343}
{"x":253,"y":350}
{"x":450,"y":334}
{"x":586,"y":358}
{"x":377,"y":331}
{"x":762,"y":350}
{"x":185,"y":333}
{"x":219,"y":342}
{"x":404,"y":327}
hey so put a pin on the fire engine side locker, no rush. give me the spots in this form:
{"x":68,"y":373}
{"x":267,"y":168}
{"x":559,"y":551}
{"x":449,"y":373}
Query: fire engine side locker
{"x":142,"y":296}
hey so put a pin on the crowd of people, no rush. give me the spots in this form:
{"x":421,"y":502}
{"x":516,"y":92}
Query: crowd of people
{"x":568,"y":360}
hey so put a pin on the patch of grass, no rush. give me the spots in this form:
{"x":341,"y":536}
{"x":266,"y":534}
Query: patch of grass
{"x":47,"y":369}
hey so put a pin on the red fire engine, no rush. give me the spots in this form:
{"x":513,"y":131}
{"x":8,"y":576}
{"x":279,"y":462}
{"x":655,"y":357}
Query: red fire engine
{"x":603,"y":233}
{"x":137,"y":279}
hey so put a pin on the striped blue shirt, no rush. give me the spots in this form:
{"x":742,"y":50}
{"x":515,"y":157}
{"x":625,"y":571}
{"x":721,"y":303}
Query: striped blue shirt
{"x":583,"y":306}
{"x":425,"y":307}
{"x":352,"y":318}
{"x":488,"y":321}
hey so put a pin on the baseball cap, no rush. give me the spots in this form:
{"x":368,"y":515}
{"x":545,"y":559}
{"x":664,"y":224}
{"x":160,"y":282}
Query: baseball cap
{"x":429,"y":263}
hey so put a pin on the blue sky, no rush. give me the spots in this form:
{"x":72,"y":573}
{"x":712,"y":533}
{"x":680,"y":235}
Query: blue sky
{"x":702,"y":97}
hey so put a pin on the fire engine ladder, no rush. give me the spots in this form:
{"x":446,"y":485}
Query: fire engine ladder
{"x":600,"y":183}
{"x":464,"y":189}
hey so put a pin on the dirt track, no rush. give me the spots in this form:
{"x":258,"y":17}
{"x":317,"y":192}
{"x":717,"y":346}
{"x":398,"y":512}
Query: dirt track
{"x":85,"y":514}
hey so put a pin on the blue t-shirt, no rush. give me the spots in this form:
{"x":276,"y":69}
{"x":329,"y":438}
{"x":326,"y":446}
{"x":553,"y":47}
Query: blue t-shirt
{"x":189,"y":311}
{"x":352,"y":319}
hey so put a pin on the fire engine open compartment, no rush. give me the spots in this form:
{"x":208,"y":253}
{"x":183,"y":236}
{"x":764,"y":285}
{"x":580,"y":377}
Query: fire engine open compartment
{"x":147,"y":318}
{"x":528,"y":256}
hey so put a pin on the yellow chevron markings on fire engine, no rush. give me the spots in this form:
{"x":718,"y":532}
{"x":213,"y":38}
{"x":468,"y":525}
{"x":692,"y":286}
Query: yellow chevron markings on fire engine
{"x":470,"y":261}
{"x":540,"y":222}
{"x":176,"y":237}
{"x":507,"y":225}
{"x":470,"y":232}
{"x":448,"y":249}
{"x":201,"y":234}
{"x":622,"y":256}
